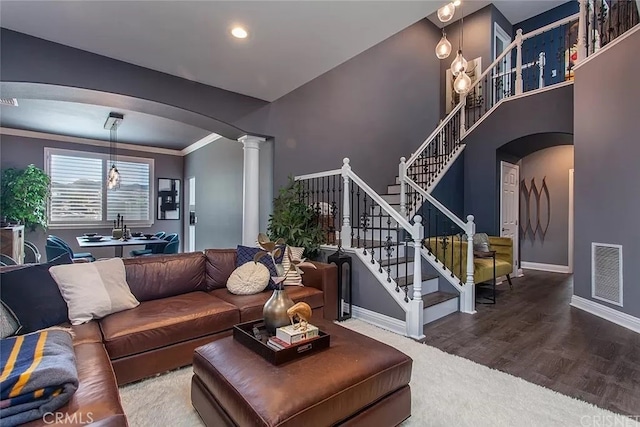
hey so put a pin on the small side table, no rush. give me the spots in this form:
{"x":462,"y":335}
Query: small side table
{"x":492,"y":255}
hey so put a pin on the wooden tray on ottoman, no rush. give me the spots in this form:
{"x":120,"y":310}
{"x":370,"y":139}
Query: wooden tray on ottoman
{"x":243,"y":333}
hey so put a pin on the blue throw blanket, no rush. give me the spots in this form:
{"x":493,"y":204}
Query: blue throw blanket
{"x":38,"y":375}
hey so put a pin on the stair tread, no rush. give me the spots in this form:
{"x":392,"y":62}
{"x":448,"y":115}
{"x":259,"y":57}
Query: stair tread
{"x":408,"y":280}
{"x":394,"y":261}
{"x":434,"y":298}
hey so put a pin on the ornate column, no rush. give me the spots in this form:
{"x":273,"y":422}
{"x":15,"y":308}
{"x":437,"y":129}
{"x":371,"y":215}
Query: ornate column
{"x":251,"y":189}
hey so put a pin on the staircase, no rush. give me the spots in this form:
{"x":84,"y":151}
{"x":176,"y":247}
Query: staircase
{"x":392,"y":233}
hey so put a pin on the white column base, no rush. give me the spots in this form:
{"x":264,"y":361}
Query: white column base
{"x":468,"y":299}
{"x":415,"y":319}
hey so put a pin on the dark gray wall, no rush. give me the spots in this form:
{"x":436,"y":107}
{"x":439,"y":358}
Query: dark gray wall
{"x":478,"y":29}
{"x":29,"y":59}
{"x":374,"y":109}
{"x":549,"y":111}
{"x":607,"y":126}
{"x":368,"y":293}
{"x":553,"y":164}
{"x":218,"y":170}
{"x":18,"y":152}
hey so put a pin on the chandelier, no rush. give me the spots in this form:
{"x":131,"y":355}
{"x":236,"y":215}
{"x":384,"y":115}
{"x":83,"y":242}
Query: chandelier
{"x":112,"y":123}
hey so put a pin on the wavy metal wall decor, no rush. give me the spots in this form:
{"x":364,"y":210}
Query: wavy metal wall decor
{"x":534,"y":196}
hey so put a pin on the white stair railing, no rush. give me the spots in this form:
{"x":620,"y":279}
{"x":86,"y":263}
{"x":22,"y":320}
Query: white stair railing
{"x":373,"y":230}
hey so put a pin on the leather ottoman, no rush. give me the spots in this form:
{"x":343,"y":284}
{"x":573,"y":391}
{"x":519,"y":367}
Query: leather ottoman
{"x":356,"y":382}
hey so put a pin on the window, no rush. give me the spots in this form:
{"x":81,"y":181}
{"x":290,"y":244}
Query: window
{"x":79,"y":194}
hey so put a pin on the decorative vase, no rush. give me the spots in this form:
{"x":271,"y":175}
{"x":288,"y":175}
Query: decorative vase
{"x":275,"y":311}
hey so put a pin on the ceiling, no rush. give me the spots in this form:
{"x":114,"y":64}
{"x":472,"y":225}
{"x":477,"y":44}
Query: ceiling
{"x":87,"y":121}
{"x":289,"y":43}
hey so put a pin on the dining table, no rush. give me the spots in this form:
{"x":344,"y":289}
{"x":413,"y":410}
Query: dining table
{"x":118,"y":244}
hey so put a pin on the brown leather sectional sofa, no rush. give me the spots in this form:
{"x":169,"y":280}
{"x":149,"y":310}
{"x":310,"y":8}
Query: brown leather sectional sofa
{"x":184,"y":304}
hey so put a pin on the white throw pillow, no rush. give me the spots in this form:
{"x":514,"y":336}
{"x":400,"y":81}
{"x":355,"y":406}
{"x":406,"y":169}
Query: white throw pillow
{"x":248,"y":279}
{"x":293,"y":277}
{"x":94,"y":290}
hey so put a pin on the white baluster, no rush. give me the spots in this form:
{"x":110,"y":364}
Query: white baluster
{"x":415,"y":314}
{"x":402,"y":173}
{"x":519,"y":61}
{"x":345,"y":233}
{"x":463,"y":116}
{"x":541,"y":63}
{"x":582,"y":31}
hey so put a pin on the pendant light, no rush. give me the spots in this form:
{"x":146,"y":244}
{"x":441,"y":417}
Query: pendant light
{"x":112,"y":123}
{"x":443,"y":48}
{"x":446,"y":12}
{"x":462,"y":83}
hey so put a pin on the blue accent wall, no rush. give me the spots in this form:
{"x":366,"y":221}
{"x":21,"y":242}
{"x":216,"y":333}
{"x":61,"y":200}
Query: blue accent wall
{"x":555,"y":44}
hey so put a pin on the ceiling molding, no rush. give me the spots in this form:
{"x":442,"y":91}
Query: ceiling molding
{"x":200,"y":143}
{"x":95,"y":142}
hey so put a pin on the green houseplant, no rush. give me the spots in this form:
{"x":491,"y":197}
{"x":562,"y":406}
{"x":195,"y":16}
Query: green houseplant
{"x":295,"y":221}
{"x":24,"y":196}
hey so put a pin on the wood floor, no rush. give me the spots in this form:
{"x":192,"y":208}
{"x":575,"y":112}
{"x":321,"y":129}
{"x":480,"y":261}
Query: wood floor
{"x":534,"y":334}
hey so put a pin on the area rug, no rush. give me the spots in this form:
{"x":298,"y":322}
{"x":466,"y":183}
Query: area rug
{"x":446,"y":390}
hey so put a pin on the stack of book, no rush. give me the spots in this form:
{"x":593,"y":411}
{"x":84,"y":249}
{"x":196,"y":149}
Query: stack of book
{"x":286,"y":336}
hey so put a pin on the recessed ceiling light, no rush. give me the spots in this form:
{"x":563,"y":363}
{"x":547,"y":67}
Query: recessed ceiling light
{"x":239,"y":33}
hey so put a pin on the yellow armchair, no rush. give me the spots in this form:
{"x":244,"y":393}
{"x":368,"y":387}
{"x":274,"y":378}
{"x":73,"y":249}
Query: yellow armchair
{"x":455,"y":259}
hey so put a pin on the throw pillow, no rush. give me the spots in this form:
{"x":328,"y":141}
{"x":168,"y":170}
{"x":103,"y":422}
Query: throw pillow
{"x":94,"y":290}
{"x":248,"y":279}
{"x":33,"y":296}
{"x":8,"y":323}
{"x":481,"y":242}
{"x":293,"y":277}
{"x":245,"y":254}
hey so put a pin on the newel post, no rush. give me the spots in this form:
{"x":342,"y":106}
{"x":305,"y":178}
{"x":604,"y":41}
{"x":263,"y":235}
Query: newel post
{"x":402,"y":171}
{"x":345,"y":232}
{"x":468,"y":303}
{"x":519,"y":61}
{"x":582,"y":31}
{"x":415,"y":314}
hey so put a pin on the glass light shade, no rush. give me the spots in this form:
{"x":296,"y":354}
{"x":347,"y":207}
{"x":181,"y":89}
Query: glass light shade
{"x":462,"y":83}
{"x":459,"y":64}
{"x":446,"y":12}
{"x":443,"y":48}
{"x":457,"y":3}
{"x":113,"y":178}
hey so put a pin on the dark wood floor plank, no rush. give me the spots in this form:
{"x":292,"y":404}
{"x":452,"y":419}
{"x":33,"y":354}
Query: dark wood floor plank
{"x":534,"y":334}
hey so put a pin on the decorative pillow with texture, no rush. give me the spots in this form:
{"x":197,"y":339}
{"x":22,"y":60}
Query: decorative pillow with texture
{"x":293,"y":277}
{"x":248,"y":279}
{"x":481,"y":242}
{"x":94,"y":290}
{"x":8,"y":323}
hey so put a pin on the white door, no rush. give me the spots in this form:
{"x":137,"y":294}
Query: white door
{"x":192,"y":214}
{"x":509,"y":207}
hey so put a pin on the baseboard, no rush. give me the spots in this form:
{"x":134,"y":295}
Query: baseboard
{"x":553,"y":268}
{"x":380,"y":320}
{"x":619,"y":318}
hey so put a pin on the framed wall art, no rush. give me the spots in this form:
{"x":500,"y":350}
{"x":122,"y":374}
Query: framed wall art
{"x":168,"y":198}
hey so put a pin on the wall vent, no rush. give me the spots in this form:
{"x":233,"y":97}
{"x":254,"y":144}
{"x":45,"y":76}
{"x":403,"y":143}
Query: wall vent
{"x":12,"y":102}
{"x":606,"y":272}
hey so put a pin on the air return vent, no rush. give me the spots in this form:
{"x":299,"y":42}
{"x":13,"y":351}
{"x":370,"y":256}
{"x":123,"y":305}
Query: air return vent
{"x":12,"y":102}
{"x":606,"y":272}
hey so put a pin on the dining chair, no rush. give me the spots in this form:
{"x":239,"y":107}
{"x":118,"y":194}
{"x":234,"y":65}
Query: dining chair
{"x":56,"y":246}
{"x":173,"y":245}
{"x":7,"y":260}
{"x":31,"y":253}
{"x":148,"y":249}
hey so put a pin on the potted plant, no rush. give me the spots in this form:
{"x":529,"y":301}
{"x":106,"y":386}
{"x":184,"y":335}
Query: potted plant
{"x":24,"y":196}
{"x":295,"y":221}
